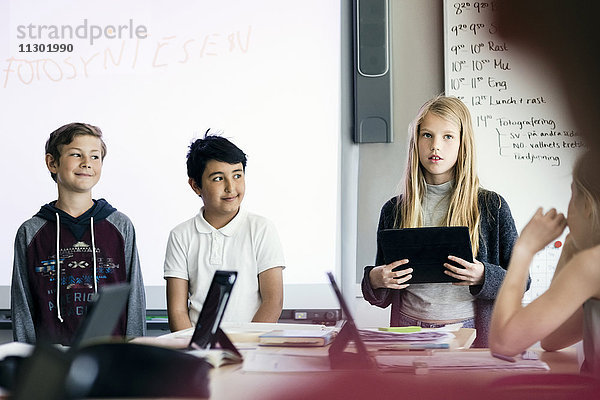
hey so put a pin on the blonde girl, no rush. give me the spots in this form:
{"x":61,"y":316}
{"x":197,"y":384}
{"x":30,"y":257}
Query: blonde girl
{"x":569,"y":310}
{"x":441,"y":188}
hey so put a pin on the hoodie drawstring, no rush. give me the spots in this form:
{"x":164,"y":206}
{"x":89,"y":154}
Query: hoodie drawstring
{"x":58,"y":267}
{"x":94,"y":253}
{"x":60,"y":318}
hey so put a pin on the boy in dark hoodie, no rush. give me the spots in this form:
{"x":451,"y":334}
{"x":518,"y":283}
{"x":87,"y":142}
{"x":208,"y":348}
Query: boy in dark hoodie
{"x":92,"y":241}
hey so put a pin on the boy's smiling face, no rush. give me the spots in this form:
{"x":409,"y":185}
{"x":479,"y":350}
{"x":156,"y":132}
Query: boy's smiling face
{"x":223,"y":188}
{"x":80,"y":164}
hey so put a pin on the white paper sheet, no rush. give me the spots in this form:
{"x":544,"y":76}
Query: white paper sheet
{"x":259,"y":361}
{"x":471,"y":360}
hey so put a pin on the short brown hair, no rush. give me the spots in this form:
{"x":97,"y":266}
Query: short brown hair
{"x":65,"y":135}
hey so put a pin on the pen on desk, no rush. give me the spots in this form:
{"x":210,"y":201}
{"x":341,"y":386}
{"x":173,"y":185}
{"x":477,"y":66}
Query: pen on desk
{"x":505,"y":358}
{"x":417,"y":346}
{"x":433,"y":346}
{"x":401,"y":329}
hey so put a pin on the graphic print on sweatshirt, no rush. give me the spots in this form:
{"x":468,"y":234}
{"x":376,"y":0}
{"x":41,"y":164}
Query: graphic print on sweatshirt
{"x":76,"y":268}
{"x":77,"y":274}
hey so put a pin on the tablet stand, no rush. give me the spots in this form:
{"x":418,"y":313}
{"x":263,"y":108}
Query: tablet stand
{"x":223,"y":340}
{"x":340,"y":359}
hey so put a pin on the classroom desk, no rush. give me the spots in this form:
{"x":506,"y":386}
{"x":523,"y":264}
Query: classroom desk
{"x":231,"y":382}
{"x":561,"y":382}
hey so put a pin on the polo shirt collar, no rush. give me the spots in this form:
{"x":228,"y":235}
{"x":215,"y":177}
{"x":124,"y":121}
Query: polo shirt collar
{"x":202,"y":226}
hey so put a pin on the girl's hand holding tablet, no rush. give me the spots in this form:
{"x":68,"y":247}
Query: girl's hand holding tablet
{"x":382,"y":276}
{"x":471,"y":273}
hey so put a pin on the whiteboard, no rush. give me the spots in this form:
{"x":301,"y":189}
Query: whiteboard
{"x":526,"y":140}
{"x":266,"y":73}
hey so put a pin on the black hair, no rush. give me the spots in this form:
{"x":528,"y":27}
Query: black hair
{"x":211,"y":147}
{"x":65,"y":135}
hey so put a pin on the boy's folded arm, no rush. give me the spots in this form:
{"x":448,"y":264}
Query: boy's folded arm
{"x":179,"y":320}
{"x":271,"y":292}
{"x":177,"y":308}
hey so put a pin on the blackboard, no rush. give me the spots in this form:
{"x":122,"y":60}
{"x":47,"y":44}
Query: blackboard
{"x":526,"y":140}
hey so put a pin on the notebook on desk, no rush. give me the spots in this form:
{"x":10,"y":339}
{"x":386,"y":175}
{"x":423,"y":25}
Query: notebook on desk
{"x":427,"y":249}
{"x":296,"y":337}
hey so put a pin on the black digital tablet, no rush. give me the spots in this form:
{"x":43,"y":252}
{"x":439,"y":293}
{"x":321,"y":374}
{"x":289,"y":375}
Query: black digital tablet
{"x":102,"y":315}
{"x":207,"y":332}
{"x":338,"y":357}
{"x":427,"y":249}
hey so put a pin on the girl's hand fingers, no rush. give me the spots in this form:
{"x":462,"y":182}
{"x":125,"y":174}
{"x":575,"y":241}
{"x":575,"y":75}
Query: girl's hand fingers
{"x":469,"y":273}
{"x":404,"y":278}
{"x":457,"y":274}
{"x":464,"y":280}
{"x":396,"y":286}
{"x":396,"y":279}
{"x":402,"y":272}
{"x":396,"y":264}
{"x":460,"y":261}
{"x":455,"y":270}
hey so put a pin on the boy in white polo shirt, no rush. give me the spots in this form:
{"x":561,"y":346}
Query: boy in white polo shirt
{"x":222,"y":236}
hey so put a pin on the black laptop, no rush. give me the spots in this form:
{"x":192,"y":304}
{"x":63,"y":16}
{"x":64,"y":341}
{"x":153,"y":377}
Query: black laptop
{"x":427,"y":249}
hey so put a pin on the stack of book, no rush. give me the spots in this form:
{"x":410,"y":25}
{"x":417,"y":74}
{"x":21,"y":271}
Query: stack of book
{"x":424,"y":339}
{"x":296,"y":338}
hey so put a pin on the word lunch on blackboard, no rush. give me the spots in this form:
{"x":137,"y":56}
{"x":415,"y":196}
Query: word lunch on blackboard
{"x":526,"y":140}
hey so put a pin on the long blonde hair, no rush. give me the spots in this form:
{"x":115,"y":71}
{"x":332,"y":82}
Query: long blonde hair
{"x":463,"y":209}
